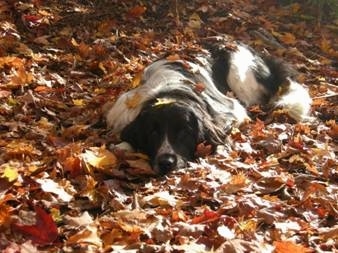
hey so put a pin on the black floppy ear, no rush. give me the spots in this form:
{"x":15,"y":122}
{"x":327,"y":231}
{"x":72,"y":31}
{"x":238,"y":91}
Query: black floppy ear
{"x":208,"y":132}
{"x":132,"y":134}
{"x":213,"y":130}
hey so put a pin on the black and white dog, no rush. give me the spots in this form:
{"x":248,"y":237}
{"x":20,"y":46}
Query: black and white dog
{"x":181,"y":103}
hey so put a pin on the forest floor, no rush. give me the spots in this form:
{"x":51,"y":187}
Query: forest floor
{"x":62,"y":189}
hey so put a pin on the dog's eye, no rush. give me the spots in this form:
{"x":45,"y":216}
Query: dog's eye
{"x":154,"y":134}
{"x":183,"y":133}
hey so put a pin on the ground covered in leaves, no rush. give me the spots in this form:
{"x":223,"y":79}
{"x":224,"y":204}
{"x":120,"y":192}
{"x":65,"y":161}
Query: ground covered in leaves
{"x":65,"y":188}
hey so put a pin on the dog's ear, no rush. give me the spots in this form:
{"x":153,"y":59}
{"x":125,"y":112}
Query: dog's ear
{"x":213,"y":130}
{"x":132,"y":134}
{"x":208,"y":132}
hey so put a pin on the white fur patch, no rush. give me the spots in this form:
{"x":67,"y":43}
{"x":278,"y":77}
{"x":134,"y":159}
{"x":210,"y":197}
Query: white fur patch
{"x":227,"y":105}
{"x":129,"y":105}
{"x":241,"y":78}
{"x":296,"y":100}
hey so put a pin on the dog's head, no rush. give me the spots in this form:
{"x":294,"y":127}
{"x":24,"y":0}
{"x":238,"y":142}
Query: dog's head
{"x":168,"y":132}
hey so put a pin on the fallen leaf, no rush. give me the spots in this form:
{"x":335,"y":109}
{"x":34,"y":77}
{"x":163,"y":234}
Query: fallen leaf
{"x":48,"y":185}
{"x":43,"y":232}
{"x":136,"y":11}
{"x":10,"y":173}
{"x":288,"y":39}
{"x":89,"y":235}
{"x":287,"y":247}
{"x":100,"y":158}
{"x":195,"y":21}
{"x":162,"y":198}
{"x":207,"y":216}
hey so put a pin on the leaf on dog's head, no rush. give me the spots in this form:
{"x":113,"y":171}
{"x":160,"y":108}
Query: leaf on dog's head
{"x":173,"y":57}
{"x":163,"y":101}
{"x":134,"y":100}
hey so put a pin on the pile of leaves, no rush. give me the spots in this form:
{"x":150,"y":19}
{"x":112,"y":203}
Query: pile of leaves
{"x":65,"y":183}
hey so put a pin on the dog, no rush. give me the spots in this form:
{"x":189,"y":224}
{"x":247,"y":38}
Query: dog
{"x":181,"y":102}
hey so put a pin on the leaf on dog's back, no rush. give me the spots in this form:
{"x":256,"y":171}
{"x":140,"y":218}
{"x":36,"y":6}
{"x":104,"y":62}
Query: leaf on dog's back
{"x":133,"y":101}
{"x":199,"y":87}
{"x":173,"y":57}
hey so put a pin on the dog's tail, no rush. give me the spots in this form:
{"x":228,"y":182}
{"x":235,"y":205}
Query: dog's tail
{"x":294,"y":98}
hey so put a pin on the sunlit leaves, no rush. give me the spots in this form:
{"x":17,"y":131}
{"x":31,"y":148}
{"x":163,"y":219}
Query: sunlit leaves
{"x":66,"y":184}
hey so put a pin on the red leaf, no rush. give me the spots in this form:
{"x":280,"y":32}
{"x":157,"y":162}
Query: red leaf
{"x":207,"y":216}
{"x":31,"y":18}
{"x":43,"y":232}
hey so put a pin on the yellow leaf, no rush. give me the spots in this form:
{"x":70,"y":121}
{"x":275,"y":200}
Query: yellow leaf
{"x":195,"y":21}
{"x":78,"y":102}
{"x":100,"y":158}
{"x":10,"y":173}
{"x":163,"y":101}
{"x":325,"y":46}
{"x":295,"y":7}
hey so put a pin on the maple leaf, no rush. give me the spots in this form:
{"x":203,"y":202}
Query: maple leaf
{"x":44,"y":232}
{"x":203,"y":150}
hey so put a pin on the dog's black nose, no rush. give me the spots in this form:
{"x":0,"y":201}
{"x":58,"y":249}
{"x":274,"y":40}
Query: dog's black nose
{"x":166,"y":162}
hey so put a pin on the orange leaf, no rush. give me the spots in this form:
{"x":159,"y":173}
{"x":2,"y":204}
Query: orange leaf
{"x":207,"y":216}
{"x":286,"y":247}
{"x":134,"y":101}
{"x":288,"y":38}
{"x":173,"y":57}
{"x":136,"y":11}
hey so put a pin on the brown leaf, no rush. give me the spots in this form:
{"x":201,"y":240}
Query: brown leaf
{"x":137,"y":11}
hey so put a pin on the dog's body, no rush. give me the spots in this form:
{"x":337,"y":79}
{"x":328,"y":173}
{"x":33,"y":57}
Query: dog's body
{"x":180,"y":103}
